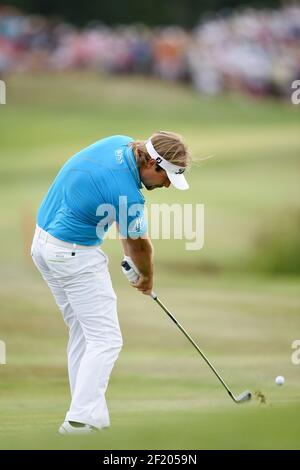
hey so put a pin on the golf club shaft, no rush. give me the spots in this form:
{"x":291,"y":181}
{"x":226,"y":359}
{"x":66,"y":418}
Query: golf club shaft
{"x":154,"y":297}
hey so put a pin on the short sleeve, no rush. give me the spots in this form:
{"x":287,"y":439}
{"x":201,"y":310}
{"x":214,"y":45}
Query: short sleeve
{"x":132,"y":220}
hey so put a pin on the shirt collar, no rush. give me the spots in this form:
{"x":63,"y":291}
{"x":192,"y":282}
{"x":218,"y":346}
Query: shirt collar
{"x":132,"y":165}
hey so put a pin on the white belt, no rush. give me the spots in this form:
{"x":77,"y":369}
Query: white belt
{"x":41,"y":234}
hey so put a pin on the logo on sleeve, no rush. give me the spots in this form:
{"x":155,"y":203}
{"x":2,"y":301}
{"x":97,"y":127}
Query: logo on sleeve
{"x":119,"y":156}
{"x":138,"y":225}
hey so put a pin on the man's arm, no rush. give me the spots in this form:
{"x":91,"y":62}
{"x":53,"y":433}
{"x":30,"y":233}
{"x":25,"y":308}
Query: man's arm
{"x":140,"y":251}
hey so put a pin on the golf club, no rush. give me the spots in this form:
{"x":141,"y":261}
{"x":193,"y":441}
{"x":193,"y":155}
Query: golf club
{"x":244,"y":396}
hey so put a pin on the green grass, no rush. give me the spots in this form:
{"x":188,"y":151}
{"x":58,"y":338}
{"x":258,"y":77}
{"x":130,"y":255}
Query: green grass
{"x":161,"y":394}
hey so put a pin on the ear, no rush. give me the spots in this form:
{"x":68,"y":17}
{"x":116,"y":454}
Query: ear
{"x":151,"y":163}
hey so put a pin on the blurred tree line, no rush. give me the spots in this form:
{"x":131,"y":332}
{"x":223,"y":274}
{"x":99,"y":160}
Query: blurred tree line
{"x":150,"y":12}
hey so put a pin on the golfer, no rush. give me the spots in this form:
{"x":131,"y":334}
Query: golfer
{"x":98,"y":186}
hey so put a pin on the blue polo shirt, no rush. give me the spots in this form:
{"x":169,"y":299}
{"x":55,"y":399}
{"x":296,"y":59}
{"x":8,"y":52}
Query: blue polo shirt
{"x":96,"y":187}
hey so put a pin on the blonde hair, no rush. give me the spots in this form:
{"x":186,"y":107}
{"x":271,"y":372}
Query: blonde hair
{"x":168,"y":145}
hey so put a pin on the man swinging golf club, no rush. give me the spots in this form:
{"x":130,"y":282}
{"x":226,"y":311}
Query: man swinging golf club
{"x":96,"y":187}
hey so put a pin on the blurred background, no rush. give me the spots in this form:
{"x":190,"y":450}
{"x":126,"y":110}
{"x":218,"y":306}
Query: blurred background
{"x":219,"y":73}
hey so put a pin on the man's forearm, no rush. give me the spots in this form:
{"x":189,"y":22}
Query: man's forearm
{"x":141,"y":253}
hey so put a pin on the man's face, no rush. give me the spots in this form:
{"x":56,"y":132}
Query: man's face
{"x":152,"y":177}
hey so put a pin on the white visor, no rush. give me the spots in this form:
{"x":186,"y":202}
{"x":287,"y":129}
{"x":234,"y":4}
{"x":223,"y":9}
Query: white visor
{"x":174,"y":172}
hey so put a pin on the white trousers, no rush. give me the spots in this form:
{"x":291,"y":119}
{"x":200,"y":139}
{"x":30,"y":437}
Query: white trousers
{"x":80,"y":282}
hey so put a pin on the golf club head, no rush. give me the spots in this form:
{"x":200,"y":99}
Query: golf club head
{"x":244,"y":396}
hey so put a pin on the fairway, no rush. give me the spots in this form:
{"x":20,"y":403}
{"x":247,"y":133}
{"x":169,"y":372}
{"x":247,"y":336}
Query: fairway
{"x":161,"y":394}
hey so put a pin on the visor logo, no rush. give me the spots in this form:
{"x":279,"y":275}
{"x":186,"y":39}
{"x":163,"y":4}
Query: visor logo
{"x":158,"y":160}
{"x":180,"y":171}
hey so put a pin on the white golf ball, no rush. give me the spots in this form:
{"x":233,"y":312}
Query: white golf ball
{"x":279,"y":380}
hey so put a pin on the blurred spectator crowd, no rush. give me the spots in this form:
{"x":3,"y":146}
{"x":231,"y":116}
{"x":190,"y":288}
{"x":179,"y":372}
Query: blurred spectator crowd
{"x":252,"y":51}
